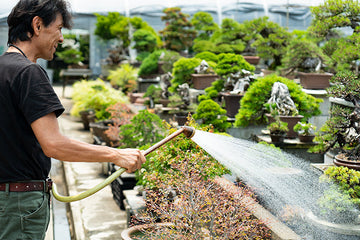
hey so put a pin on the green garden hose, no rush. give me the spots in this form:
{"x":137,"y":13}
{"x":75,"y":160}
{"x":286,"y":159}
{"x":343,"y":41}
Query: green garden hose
{"x":188,"y":132}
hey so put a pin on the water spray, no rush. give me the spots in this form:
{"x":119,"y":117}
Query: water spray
{"x":186,"y":130}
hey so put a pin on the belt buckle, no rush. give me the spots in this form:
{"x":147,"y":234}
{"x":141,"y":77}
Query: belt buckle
{"x":48,"y":184}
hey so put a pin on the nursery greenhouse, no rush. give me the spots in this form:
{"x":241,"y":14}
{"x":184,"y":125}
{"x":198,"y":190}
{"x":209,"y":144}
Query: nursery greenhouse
{"x":293,"y":14}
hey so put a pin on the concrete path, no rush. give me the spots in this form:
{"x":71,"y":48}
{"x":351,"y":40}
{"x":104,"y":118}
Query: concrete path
{"x":96,"y":217}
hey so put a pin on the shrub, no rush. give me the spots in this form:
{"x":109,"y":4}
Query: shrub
{"x":159,"y":165}
{"x":124,"y":78}
{"x":144,"y":130}
{"x":212,"y":114}
{"x":252,"y":104}
{"x":207,"y":56}
{"x":183,"y":68}
{"x":95,"y":95}
{"x":150,"y":64}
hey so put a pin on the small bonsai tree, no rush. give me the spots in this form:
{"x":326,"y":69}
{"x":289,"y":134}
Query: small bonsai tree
{"x":211,"y":113}
{"x":204,"y":24}
{"x":271,"y":41}
{"x":341,"y":130}
{"x":124,"y":78}
{"x":278,"y":127}
{"x":252,"y":104}
{"x":149,"y":66}
{"x":178,"y":33}
{"x":144,"y":130}
{"x":304,"y":55}
{"x":328,"y":17}
{"x":304,"y":128}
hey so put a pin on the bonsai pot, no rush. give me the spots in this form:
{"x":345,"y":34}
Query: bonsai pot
{"x":315,"y":80}
{"x":202,"y":81}
{"x":254,"y":60}
{"x":277,"y":138}
{"x":98,"y":131}
{"x":290,"y":120}
{"x":340,"y":160}
{"x":181,"y":118}
{"x":232,"y":103}
{"x":87,"y":116}
{"x":306,"y":138}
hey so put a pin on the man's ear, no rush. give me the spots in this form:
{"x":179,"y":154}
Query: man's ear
{"x":37,"y":24}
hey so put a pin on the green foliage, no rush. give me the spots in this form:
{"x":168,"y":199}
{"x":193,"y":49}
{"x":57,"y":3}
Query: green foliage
{"x":178,"y":32}
{"x":168,"y":59}
{"x":346,"y":191}
{"x":212,"y":114}
{"x":304,"y":128}
{"x":149,"y":65}
{"x":252,"y":104}
{"x":159,"y":165}
{"x":203,"y":46}
{"x":95,"y":95}
{"x":70,"y":56}
{"x":154,"y":92}
{"x":104,"y":24}
{"x":300,"y":50}
{"x":207,"y":56}
{"x":333,"y":133}
{"x":204,"y":23}
{"x":278,"y":127}
{"x":271,"y":42}
{"x":144,"y":130}
{"x":182,"y":70}
{"x":334,"y":14}
{"x":145,"y":41}
{"x":232,"y":63}
{"x":124,"y":78}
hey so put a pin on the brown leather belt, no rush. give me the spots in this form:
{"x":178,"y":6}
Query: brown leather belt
{"x":27,"y":186}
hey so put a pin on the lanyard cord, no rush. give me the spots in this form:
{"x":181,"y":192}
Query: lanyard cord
{"x":12,"y":45}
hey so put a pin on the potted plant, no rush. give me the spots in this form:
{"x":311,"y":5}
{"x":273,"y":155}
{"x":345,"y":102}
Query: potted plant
{"x":306,"y":59}
{"x":178,"y":33}
{"x":341,"y":132}
{"x":340,"y":202}
{"x":305,"y":131}
{"x":204,"y":75}
{"x":95,"y":95}
{"x":211,"y":113}
{"x":124,"y":78}
{"x":282,"y":105}
{"x":278,"y":130}
{"x":327,"y":18}
{"x":180,"y":104}
{"x":252,"y":110}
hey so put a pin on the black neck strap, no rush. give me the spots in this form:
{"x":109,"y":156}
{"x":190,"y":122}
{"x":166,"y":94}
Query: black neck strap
{"x":12,"y":45}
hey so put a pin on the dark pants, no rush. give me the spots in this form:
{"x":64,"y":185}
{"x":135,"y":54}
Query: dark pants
{"x":24,"y":215}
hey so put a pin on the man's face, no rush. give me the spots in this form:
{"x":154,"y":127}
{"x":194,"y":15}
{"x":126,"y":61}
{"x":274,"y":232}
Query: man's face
{"x":50,"y":37}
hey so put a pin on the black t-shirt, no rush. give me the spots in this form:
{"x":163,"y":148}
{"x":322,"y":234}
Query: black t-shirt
{"x":25,"y":96}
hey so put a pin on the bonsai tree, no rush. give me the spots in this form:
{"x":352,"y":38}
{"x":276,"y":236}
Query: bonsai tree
{"x":178,"y":33}
{"x":211,"y":113}
{"x":304,"y":55}
{"x":278,"y":127}
{"x":95,"y":95}
{"x":328,"y":17}
{"x":304,"y":128}
{"x":182,"y":70}
{"x":341,"y":130}
{"x":204,"y":24}
{"x":144,"y":130}
{"x":124,"y":78}
{"x":69,"y":51}
{"x":259,"y":92}
{"x":149,"y":66}
{"x":145,"y":43}
{"x":271,"y":42}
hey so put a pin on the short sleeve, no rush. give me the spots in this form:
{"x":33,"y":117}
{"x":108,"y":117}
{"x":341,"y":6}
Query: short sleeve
{"x":37,"y":97}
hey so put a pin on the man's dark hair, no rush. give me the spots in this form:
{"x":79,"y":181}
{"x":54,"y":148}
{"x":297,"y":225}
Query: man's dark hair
{"x":21,"y":16}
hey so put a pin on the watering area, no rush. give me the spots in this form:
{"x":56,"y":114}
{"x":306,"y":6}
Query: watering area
{"x":284,"y":184}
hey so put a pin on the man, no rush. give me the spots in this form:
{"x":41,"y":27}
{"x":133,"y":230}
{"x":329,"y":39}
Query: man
{"x":29,"y":131}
